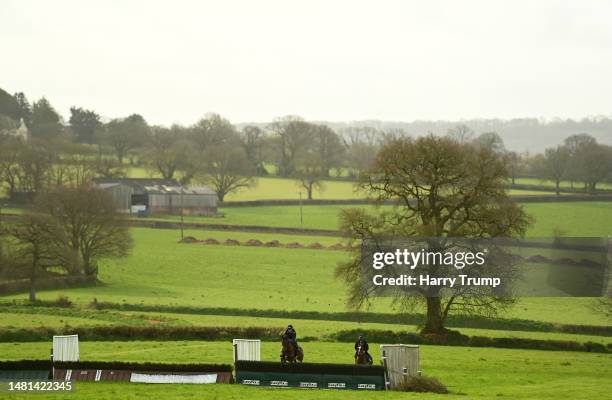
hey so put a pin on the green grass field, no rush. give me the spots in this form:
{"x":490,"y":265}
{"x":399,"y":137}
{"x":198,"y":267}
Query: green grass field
{"x":563,"y":184}
{"x":571,"y":218}
{"x":272,"y":188}
{"x":162,"y":271}
{"x":468,"y":373}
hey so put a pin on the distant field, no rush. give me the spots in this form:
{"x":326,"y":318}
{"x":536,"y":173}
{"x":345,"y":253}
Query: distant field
{"x":563,"y":184}
{"x":571,"y":218}
{"x":279,"y":188}
{"x":481,"y":373}
{"x":272,"y":188}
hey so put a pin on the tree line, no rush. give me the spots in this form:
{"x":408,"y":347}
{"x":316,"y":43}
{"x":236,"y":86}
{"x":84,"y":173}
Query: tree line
{"x":228,"y":158}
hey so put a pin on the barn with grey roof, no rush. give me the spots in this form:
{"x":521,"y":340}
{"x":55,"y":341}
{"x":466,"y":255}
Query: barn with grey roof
{"x":159,"y":196}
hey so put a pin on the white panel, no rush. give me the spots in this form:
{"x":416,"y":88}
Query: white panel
{"x":247,"y":349}
{"x":165,"y":378}
{"x":66,"y":348}
{"x":401,"y":360}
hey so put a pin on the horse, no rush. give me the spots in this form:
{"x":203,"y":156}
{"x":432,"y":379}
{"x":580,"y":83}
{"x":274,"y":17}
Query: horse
{"x":361,"y":357}
{"x":288,"y":353}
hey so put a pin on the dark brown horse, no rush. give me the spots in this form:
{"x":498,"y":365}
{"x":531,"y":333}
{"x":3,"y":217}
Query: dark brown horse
{"x":288,"y":353}
{"x":361,"y":357}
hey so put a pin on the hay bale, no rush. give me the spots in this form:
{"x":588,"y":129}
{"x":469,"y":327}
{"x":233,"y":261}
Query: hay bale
{"x":294,"y":245}
{"x":211,"y":241}
{"x":273,"y":243}
{"x":254,"y":242}
{"x":232,"y":242}
{"x":188,"y":239}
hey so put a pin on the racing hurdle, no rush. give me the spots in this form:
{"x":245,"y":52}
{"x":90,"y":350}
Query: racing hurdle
{"x":310,"y":375}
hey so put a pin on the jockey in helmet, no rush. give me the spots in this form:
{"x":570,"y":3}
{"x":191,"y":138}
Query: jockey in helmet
{"x":361,"y":342}
{"x":291,"y":335}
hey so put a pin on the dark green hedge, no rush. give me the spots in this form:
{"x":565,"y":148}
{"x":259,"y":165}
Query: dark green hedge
{"x":25,"y":365}
{"x":55,"y":282}
{"x":456,"y":321}
{"x":457,"y":339}
{"x":120,"y":333}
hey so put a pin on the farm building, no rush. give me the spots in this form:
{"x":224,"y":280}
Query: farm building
{"x":159,"y":196}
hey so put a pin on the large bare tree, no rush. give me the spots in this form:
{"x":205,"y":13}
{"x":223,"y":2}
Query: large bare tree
{"x":225,"y":166}
{"x":35,"y":239}
{"x":442,"y":189}
{"x":88,"y":224}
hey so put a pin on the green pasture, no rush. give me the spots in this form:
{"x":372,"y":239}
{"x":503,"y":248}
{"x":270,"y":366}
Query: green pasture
{"x":14,"y":317}
{"x":563,"y":184}
{"x":571,"y":218}
{"x":27,"y":317}
{"x":273,"y":188}
{"x":163,"y":272}
{"x":480,"y":373}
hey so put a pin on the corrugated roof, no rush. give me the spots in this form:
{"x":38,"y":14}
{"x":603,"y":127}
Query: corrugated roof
{"x":137,"y":181}
{"x":155,"y":186}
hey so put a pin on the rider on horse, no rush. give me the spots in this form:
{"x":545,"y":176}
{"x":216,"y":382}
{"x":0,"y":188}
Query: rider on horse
{"x":291,"y":335}
{"x":361,"y":342}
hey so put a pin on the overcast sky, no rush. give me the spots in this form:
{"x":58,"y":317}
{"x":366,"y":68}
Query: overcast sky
{"x":174,"y":61}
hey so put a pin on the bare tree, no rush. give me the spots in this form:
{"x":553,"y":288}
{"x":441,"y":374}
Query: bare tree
{"x":555,"y":163}
{"x":35,"y":241}
{"x":35,"y":162}
{"x":461,"y":133}
{"x":443,"y":189}
{"x":226,"y":167}
{"x":125,"y":134}
{"x":211,"y":131}
{"x":88,"y":224}
{"x":253,"y":142}
{"x":168,"y":151}
{"x":329,"y":148}
{"x":362,"y":144}
{"x":308,"y":172}
{"x":292,"y":135}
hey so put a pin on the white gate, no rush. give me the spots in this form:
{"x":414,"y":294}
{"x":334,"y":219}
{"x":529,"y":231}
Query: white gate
{"x":247,"y":349}
{"x":400,"y":361}
{"x":66,"y":348}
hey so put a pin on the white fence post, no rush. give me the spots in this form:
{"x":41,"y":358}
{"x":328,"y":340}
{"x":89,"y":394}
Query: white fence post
{"x":66,"y":348}
{"x":247,"y":349}
{"x":400,"y":361}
